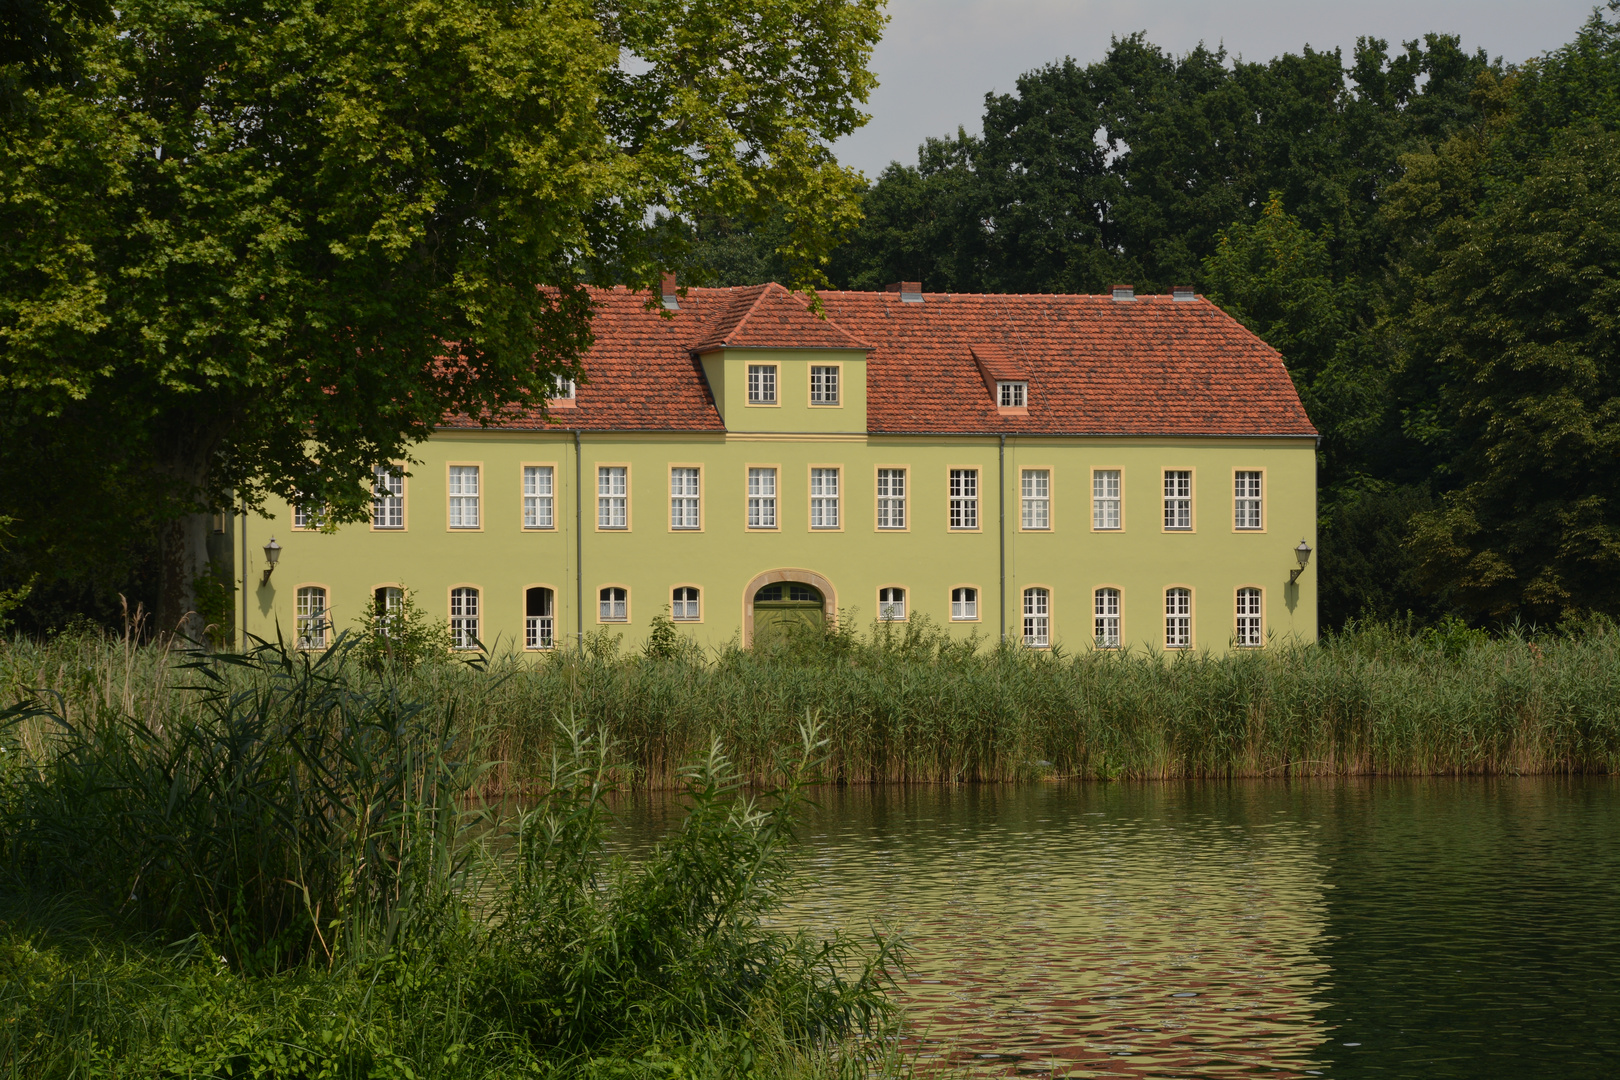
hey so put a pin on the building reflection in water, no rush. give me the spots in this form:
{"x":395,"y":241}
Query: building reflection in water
{"x":1088,"y":929}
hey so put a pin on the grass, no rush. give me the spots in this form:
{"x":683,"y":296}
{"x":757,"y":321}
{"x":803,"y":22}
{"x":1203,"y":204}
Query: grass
{"x":274,"y":865}
{"x":907,"y":704}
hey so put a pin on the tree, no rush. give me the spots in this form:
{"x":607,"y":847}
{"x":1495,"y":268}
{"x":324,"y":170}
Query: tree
{"x":263,"y":246}
{"x":1521,"y":316}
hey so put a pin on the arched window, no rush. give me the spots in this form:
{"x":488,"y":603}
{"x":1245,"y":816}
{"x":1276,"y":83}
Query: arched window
{"x":387,"y":608}
{"x":1178,"y":618}
{"x":464,"y":618}
{"x":684,"y":604}
{"x":892,"y":604}
{"x":614,"y":604}
{"x":1250,"y":621}
{"x":1037,"y":618}
{"x":538,"y":619}
{"x":313,"y":617}
{"x":964,"y":604}
{"x":1107,"y":609}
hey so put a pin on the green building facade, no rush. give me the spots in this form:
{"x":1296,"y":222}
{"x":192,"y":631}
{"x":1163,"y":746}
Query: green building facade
{"x":1076,"y":471}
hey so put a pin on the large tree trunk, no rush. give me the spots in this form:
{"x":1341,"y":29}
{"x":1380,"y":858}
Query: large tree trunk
{"x":184,"y":561}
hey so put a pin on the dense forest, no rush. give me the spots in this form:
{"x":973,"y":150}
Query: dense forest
{"x":1430,"y":237}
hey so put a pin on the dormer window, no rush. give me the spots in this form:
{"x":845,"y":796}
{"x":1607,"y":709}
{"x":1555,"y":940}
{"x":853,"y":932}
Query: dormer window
{"x":1012,"y":395}
{"x":562,"y":389}
{"x":762,"y":384}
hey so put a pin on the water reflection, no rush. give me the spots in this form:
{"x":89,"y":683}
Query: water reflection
{"x":1389,"y":927}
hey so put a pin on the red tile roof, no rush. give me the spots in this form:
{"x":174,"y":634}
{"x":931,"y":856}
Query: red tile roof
{"x":1095,"y":366}
{"x":770,"y":317}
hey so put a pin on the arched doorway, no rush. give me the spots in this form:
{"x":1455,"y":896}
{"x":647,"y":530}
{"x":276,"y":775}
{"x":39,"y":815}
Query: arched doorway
{"x":785,"y":601}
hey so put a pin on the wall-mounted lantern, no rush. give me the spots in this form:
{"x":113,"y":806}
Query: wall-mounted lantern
{"x":1303,"y":554}
{"x":272,"y":555}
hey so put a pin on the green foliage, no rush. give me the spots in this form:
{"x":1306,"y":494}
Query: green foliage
{"x":399,"y":639}
{"x":281,"y":872}
{"x":262,"y":247}
{"x":664,"y":641}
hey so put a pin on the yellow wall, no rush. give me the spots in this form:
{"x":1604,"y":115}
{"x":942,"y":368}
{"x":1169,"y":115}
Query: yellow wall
{"x":927,"y":559}
{"x":727,"y":372}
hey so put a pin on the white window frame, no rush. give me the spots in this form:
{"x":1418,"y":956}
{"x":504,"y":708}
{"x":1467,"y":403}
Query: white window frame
{"x":1107,"y":502}
{"x":824,"y":380}
{"x":384,"y":614}
{"x":1178,"y":500}
{"x":687,"y":607}
{"x":1035,"y":486}
{"x":891,"y":498}
{"x":1037,"y":617}
{"x":313,"y":619}
{"x":1248,"y":500}
{"x":613,"y":497}
{"x":539,"y":497}
{"x":762,"y":384}
{"x":613,"y":604}
{"x":1178,"y":617}
{"x":387,"y":498}
{"x":825,"y":509}
{"x":1105,"y":609}
{"x":465,"y":613}
{"x":1012,"y":394}
{"x":892,"y":603}
{"x":964,"y":499}
{"x":465,"y":487}
{"x":965,"y":603}
{"x":540,"y":631}
{"x":685,"y":498}
{"x":1250,"y":628}
{"x":762,"y":489}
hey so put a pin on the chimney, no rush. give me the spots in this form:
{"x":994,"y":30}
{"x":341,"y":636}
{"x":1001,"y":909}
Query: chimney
{"x":1123,"y":293}
{"x":1183,"y":292}
{"x":910,"y":291}
{"x":671,"y":300}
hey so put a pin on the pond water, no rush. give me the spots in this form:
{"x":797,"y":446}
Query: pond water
{"x":1435,"y":927}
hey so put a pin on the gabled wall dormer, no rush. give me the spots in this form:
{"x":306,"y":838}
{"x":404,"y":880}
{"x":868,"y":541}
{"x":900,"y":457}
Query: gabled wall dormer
{"x":775,"y":366}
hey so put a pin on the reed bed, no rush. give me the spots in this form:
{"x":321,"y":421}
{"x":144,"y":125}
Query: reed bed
{"x":277,"y":866}
{"x":907,"y":704}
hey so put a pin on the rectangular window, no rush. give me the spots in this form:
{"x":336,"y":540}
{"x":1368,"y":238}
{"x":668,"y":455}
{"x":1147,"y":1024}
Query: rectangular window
{"x":612,"y":497}
{"x":892,"y":604}
{"x":683,"y":498}
{"x":1178,"y":618}
{"x":762,"y":498}
{"x":464,"y":496}
{"x":538,"y":493}
{"x":684,"y":604}
{"x":824,"y":498}
{"x":1177,"y":499}
{"x":1250,"y":628}
{"x":538,"y":619}
{"x":1012,"y":395}
{"x":1037,"y":485}
{"x":1037,"y":618}
{"x":1246,"y":500}
{"x":823,"y":385}
{"x":964,"y":604}
{"x":307,"y":515}
{"x":762,"y":384}
{"x":464,"y":618}
{"x":312,"y":617}
{"x":964,"y":498}
{"x":1107,"y":629}
{"x":613,"y":605}
{"x":891,"y":499}
{"x":387,"y":498}
{"x":1105,"y":501}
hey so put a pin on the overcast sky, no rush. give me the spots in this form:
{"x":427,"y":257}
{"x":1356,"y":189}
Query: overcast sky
{"x":939,"y":58}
